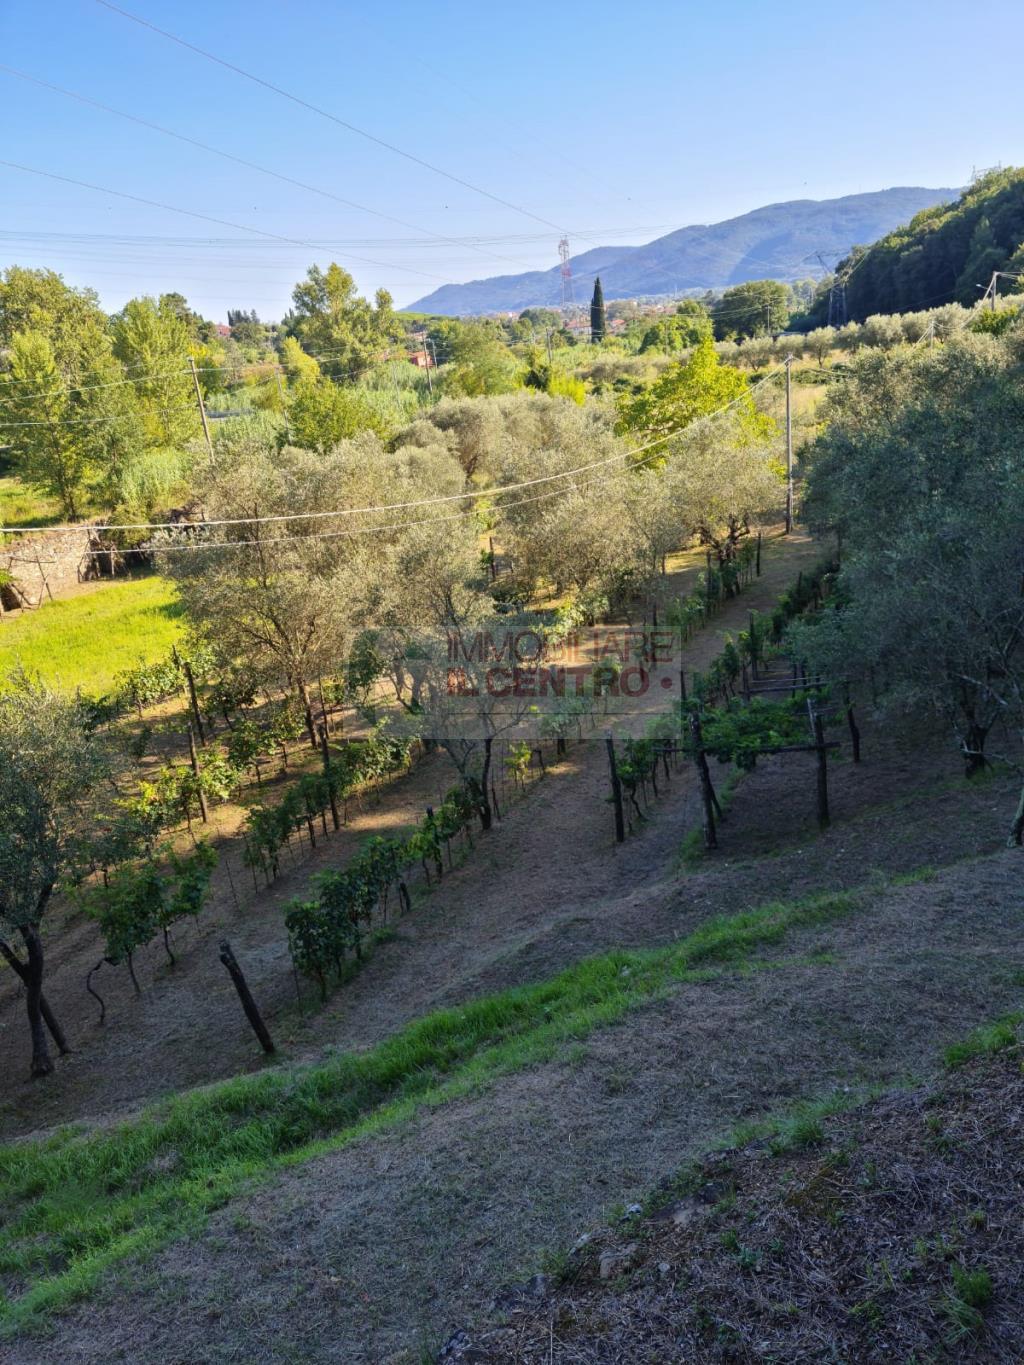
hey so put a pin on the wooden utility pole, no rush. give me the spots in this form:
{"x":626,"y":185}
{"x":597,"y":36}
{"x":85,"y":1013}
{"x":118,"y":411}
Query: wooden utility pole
{"x":202,"y":405}
{"x":789,"y":444}
{"x":245,"y":995}
{"x":426,"y":357}
{"x":620,"y":823}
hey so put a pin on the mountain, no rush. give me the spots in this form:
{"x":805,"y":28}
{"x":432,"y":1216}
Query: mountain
{"x":774,"y":242}
{"x":947,"y":253}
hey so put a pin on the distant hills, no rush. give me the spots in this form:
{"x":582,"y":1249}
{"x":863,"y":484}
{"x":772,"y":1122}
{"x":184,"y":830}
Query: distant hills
{"x":774,"y":242}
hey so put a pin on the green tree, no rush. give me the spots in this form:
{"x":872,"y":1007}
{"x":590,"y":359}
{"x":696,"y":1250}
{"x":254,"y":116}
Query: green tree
{"x":919,"y":470}
{"x":70,"y":319}
{"x":690,"y":324}
{"x":332,"y":321}
{"x":152,"y":343}
{"x":688,"y":392}
{"x":541,"y":318}
{"x":297,"y":365}
{"x":70,"y":422}
{"x":598,"y":319}
{"x":480,"y":363}
{"x":321,"y":414}
{"x":195,"y":324}
{"x":983,"y":256}
{"x":282,"y":602}
{"x":52,"y":450}
{"x":50,"y":765}
{"x":753,"y":309}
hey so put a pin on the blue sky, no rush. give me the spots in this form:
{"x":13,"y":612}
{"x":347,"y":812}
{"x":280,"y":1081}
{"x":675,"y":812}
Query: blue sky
{"x":611,"y":122}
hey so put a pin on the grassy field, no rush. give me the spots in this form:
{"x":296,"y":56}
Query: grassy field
{"x":84,"y":641}
{"x":21,"y":505}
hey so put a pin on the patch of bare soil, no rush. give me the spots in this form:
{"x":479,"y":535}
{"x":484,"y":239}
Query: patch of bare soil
{"x":379,"y":1251}
{"x":892,"y":1233}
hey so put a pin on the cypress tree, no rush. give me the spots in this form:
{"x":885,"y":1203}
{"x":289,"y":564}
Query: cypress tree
{"x":598,"y":322}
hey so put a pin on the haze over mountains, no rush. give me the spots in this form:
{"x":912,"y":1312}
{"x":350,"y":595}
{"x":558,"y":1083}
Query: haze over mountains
{"x":778,"y":241}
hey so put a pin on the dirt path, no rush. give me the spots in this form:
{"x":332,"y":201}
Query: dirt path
{"x":551,"y":859}
{"x":375,"y":1252}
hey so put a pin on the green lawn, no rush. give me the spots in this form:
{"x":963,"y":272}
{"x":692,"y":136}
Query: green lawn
{"x":83,"y":641}
{"x":21,"y":505}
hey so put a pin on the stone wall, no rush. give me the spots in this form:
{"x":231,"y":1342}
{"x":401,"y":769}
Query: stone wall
{"x":46,"y":566}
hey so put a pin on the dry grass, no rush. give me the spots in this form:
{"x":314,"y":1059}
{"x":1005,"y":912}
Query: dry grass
{"x":889,"y":1233}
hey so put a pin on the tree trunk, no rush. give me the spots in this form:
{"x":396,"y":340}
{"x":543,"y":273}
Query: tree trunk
{"x":485,"y":800}
{"x":1016,"y":837}
{"x":307,"y":707}
{"x":42,"y":1062}
{"x":974,"y":751}
{"x":49,"y":1018}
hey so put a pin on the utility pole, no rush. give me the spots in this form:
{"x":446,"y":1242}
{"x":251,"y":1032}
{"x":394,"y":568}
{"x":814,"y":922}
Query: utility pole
{"x":547,"y":337}
{"x":789,"y":444}
{"x":426,"y":357}
{"x":202,"y":407}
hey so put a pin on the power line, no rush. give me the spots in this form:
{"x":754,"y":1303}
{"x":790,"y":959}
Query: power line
{"x":266,"y":366}
{"x":205,"y":217}
{"x":324,"y":113}
{"x":119,"y":239}
{"x":282,"y":517}
{"x":241,"y":161}
{"x":202,"y":545}
{"x":88,"y":421}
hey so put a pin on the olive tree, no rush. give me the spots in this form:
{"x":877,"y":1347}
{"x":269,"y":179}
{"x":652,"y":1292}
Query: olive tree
{"x":725,"y":476}
{"x":478,"y":681}
{"x":919,"y":468}
{"x":50,"y":766}
{"x":274,"y":595}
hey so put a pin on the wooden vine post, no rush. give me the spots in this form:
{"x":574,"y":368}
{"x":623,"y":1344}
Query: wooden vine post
{"x":193,"y":756}
{"x":821,"y":749}
{"x":854,"y":731}
{"x":245,"y":995}
{"x":193,"y":695}
{"x":332,"y":797}
{"x":706,"y":790}
{"x":620,"y":822}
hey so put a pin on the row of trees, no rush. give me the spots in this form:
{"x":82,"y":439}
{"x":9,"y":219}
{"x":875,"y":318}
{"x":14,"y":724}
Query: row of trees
{"x":919,"y":471}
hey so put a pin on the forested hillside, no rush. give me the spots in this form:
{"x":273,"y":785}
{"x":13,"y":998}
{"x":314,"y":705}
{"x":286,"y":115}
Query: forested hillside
{"x":943,"y":252}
